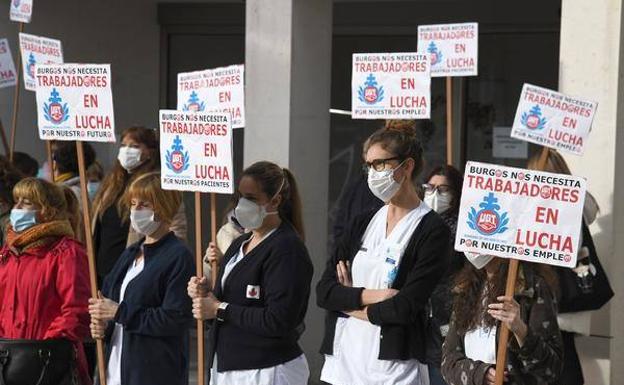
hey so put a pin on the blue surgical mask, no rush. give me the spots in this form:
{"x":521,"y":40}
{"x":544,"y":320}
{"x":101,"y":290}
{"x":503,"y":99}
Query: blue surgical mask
{"x":92,"y":189}
{"x":22,"y":219}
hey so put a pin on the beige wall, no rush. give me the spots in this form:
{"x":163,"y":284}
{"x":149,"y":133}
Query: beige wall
{"x":590,"y":57}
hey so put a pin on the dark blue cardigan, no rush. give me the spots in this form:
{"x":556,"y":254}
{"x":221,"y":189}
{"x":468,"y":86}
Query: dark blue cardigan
{"x":155,"y":313}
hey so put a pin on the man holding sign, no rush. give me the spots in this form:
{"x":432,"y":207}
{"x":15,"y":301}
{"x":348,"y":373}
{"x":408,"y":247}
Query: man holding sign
{"x":521,"y":214}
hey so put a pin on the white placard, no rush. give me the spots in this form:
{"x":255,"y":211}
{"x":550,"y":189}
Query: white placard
{"x":391,"y":86}
{"x":453,"y":48}
{"x":75,"y":102}
{"x":21,"y":10}
{"x":522,"y":214}
{"x":8,"y":77}
{"x":38,"y":50}
{"x":214,"y":90}
{"x":552,"y":119}
{"x":196,"y":151}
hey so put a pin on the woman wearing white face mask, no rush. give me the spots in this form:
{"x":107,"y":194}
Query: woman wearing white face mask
{"x":261,"y":295}
{"x":443,"y":194}
{"x":44,"y":288}
{"x":112,"y":233}
{"x":378,"y":281}
{"x":143,"y":313}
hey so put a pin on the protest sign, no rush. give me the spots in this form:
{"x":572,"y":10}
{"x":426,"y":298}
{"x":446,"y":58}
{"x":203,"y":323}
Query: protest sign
{"x":391,"y":86}
{"x":7,"y":68}
{"x":453,"y":48}
{"x":196,"y":151}
{"x":552,"y":119}
{"x":75,"y":102}
{"x":522,"y":214}
{"x":38,"y":50}
{"x":214,"y":90}
{"x":20,"y":10}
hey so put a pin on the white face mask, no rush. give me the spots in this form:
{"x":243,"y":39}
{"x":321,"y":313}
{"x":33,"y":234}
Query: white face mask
{"x":478,"y":260}
{"x":382,"y":183}
{"x":143,"y":221}
{"x":129,"y":158}
{"x":249,"y":214}
{"x":438,"y":202}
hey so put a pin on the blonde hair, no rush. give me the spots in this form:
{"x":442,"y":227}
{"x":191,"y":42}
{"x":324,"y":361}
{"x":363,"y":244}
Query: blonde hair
{"x":147,"y":188}
{"x":57,"y":203}
{"x":554,"y":162}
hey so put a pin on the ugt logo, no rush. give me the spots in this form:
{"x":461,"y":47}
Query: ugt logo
{"x":31,"y":65}
{"x":16,"y":3}
{"x":194,"y":104}
{"x":436,"y":54}
{"x":370,"y":93}
{"x":55,"y":112}
{"x":487,"y":221}
{"x":177,"y":160}
{"x":533,"y":120}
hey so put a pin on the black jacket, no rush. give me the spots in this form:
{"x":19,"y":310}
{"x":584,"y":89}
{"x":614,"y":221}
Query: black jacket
{"x":263,"y":332}
{"x":402,"y":318}
{"x":441,"y":303}
{"x":155,"y":313}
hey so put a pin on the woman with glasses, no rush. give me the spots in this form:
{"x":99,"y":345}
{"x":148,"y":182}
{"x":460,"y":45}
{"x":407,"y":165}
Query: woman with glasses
{"x":443,"y":194}
{"x":383,"y":269}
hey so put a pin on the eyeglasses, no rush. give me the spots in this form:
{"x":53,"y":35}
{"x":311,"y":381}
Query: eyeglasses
{"x":379,"y":164}
{"x":442,"y":188}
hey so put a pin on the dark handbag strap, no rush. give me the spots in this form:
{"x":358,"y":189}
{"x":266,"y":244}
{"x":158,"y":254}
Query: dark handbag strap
{"x":44,"y":355}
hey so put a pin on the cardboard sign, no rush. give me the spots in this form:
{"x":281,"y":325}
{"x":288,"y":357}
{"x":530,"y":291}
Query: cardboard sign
{"x":552,"y":119}
{"x":21,"y":10}
{"x":522,"y":214}
{"x":504,"y":146}
{"x":7,"y":68}
{"x":196,"y":151}
{"x":38,"y":50}
{"x":453,"y":48}
{"x":215,"y":90}
{"x":75,"y":102}
{"x":391,"y":86}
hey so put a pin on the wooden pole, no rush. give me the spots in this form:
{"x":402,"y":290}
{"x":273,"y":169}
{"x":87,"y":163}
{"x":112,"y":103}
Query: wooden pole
{"x":16,"y":96}
{"x":5,"y":142}
{"x":512,"y":275}
{"x":199,"y":267}
{"x":449,"y":120}
{"x":501,"y":357}
{"x":86,"y":218}
{"x":214,"y":271}
{"x":49,"y":151}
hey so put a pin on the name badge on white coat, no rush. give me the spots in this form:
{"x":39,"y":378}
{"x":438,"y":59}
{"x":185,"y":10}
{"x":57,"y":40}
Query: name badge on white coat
{"x":253,"y":291}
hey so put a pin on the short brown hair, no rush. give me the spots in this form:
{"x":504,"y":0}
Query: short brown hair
{"x":51,"y":198}
{"x":147,"y":187}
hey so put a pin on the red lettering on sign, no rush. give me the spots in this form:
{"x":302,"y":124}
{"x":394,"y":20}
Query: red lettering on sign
{"x":408,"y":84}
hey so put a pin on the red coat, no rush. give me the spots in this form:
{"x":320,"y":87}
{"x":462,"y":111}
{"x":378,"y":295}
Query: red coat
{"x":44,"y":294}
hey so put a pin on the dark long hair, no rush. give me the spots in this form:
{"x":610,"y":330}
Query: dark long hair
{"x":469,"y":305}
{"x":118,"y":179}
{"x":455,"y":181}
{"x":271,"y":177}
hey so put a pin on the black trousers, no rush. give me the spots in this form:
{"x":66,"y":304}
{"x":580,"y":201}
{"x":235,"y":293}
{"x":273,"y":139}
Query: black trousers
{"x":572,"y":373}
